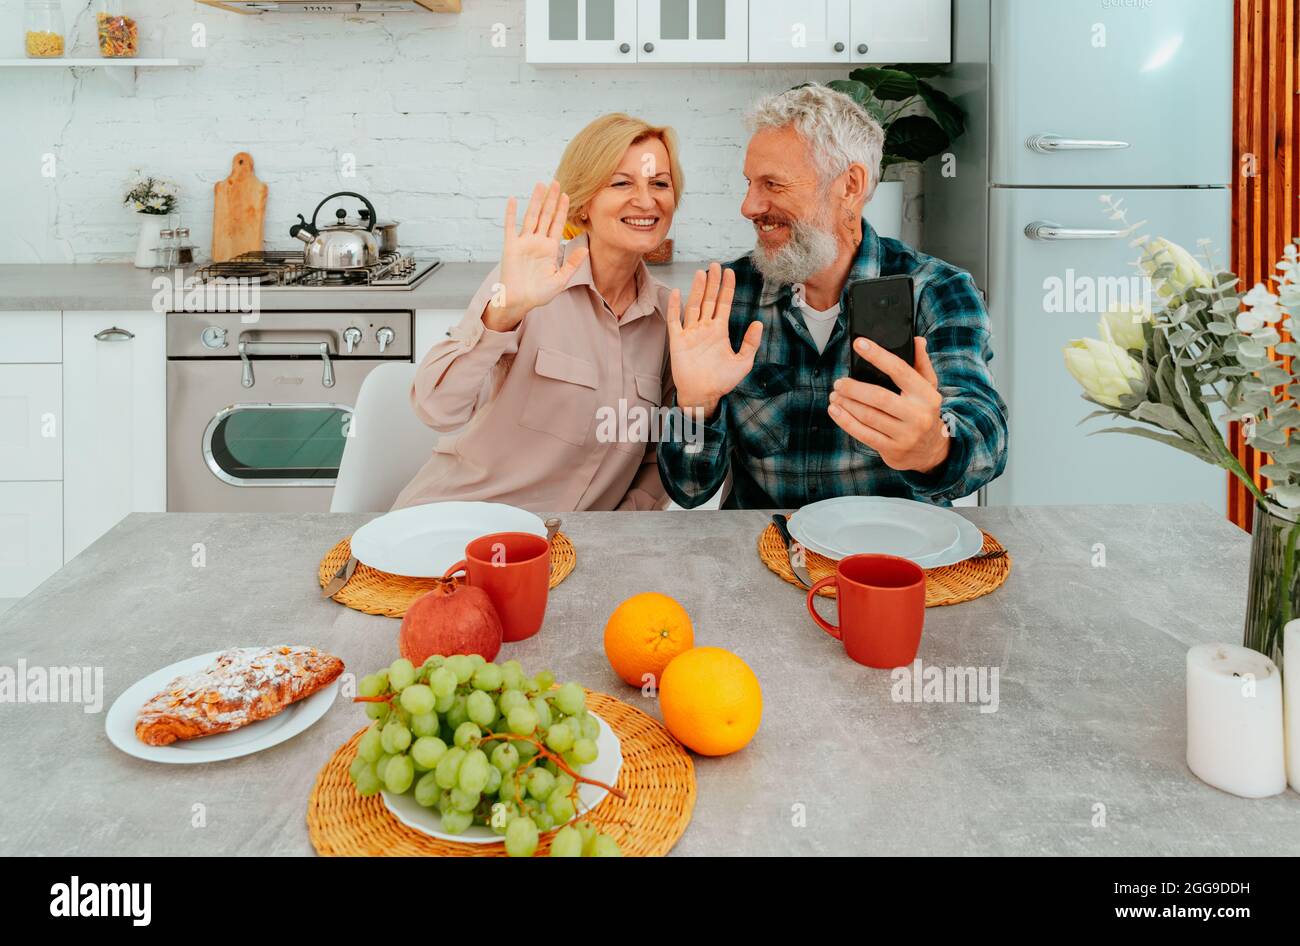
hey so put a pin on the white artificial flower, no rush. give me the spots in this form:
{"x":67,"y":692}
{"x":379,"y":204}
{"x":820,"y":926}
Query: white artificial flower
{"x":1123,"y":326}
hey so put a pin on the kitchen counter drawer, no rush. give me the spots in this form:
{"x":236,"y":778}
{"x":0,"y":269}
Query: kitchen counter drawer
{"x":31,"y":337}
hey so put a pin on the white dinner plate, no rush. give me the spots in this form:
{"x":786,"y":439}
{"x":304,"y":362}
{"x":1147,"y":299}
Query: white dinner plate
{"x":878,"y":525}
{"x":284,"y":725}
{"x":609,"y":760}
{"x":424,"y":541}
{"x":930,"y":536}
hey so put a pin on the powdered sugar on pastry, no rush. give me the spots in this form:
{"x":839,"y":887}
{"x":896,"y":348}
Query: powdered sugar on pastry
{"x":241,"y":686}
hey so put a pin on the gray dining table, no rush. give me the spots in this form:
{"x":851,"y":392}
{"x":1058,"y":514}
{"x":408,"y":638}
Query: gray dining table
{"x":1079,"y":749}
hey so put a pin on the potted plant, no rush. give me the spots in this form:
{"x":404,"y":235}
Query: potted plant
{"x":920,"y":122}
{"x":1208,"y":346}
{"x":154,"y":199}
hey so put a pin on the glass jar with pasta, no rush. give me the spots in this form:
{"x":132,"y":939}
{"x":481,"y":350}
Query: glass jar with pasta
{"x":117,"y":32}
{"x":43,"y":29}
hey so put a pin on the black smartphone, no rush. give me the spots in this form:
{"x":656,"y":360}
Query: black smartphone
{"x":881,"y":311}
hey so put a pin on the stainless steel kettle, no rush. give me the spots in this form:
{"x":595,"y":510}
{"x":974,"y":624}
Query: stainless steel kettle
{"x":338,"y":246}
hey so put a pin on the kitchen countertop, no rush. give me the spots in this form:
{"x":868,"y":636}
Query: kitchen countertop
{"x":122,"y":287}
{"x":1090,"y":711}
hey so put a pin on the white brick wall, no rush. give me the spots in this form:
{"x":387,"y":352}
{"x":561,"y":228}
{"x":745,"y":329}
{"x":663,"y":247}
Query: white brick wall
{"x":443,"y":126}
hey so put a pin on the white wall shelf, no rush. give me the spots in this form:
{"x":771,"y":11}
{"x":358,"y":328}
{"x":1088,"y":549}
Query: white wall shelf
{"x":123,"y":72}
{"x":96,"y":62}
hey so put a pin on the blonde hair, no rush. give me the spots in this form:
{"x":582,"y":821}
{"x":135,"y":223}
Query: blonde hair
{"x":596,"y":152}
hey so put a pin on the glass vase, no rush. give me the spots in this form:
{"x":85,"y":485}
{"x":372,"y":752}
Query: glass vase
{"x":1273,"y":594}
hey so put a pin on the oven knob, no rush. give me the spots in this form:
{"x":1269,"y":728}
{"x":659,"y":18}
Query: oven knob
{"x":385,"y":338}
{"x":351,"y":337}
{"x":214,"y":336}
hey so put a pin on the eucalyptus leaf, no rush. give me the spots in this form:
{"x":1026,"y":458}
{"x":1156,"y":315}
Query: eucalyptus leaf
{"x":1286,"y":495}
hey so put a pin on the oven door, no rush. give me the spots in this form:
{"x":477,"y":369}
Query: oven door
{"x":273,"y":448}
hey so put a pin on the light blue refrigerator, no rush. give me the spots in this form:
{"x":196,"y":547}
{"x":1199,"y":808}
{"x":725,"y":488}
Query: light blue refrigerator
{"x":1070,"y":100}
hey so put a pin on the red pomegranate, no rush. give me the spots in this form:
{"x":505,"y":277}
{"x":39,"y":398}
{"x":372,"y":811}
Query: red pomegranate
{"x":453,"y":618}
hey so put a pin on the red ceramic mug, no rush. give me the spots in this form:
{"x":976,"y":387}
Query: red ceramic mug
{"x":881,"y":601}
{"x":514,"y":568}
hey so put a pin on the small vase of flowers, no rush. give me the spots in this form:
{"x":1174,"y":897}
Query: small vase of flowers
{"x":1208,"y":346}
{"x":154,"y":199}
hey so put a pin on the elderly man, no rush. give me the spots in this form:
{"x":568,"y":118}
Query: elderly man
{"x":781,"y":413}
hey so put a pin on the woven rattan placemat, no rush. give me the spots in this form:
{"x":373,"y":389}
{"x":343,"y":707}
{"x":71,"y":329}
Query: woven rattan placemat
{"x":951,"y":584}
{"x":657,"y":777}
{"x":376,"y":592}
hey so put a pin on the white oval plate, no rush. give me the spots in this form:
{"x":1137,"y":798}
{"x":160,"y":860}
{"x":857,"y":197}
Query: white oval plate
{"x":424,"y":541}
{"x":289,"y":722}
{"x":609,"y":761}
{"x":877,"y":525}
{"x":865,"y":539}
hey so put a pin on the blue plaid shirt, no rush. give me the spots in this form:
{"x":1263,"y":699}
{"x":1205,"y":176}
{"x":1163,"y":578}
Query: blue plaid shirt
{"x":772,"y":431}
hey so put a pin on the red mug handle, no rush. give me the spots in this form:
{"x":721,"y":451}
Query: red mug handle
{"x":831,"y":629}
{"x":460,"y":566}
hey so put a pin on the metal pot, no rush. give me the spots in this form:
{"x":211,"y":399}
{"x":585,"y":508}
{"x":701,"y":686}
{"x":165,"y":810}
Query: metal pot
{"x":339,"y":246}
{"x":385,"y":232}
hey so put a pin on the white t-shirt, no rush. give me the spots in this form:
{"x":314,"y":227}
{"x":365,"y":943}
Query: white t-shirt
{"x":819,"y":324}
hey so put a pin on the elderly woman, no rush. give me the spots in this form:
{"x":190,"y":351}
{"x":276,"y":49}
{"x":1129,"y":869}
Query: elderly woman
{"x":558,"y":337}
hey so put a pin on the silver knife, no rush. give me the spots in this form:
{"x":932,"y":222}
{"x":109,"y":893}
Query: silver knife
{"x":800,"y":571}
{"x":335,"y":584}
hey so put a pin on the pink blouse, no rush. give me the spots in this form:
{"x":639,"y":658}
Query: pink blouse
{"x":544,"y":416}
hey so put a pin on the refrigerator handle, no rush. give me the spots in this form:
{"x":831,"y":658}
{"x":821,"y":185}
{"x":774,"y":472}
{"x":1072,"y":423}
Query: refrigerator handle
{"x":1041,"y":230}
{"x":1050,"y":144}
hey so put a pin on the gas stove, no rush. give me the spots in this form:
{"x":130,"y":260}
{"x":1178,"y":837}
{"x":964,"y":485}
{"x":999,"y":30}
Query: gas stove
{"x":284,"y":269}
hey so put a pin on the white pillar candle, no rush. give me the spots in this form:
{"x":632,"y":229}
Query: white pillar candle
{"x":1234,"y":720}
{"x":1291,"y":700}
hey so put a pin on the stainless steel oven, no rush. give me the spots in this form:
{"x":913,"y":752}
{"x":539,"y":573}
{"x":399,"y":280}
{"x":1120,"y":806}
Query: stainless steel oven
{"x":258,"y":412}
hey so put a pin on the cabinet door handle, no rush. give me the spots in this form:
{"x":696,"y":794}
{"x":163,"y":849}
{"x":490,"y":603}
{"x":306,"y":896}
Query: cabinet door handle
{"x":1050,"y":144}
{"x":114,"y":334}
{"x":838,"y":47}
{"x":1051,"y":232}
{"x":624,"y":48}
{"x":649,"y":47}
{"x":862,"y":49}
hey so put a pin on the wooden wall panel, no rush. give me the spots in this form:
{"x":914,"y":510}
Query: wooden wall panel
{"x":1266,"y":144}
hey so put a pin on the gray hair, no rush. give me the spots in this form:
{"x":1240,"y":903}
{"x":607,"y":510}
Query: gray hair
{"x":838,"y":130}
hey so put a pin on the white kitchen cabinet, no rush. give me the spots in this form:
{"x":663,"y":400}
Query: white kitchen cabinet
{"x":31,"y":422}
{"x":31,"y":338}
{"x":580,"y":31}
{"x":31,"y":540}
{"x":115,"y":419}
{"x":887,"y":31}
{"x":811,"y":31}
{"x":432,"y":325}
{"x":699,"y":31}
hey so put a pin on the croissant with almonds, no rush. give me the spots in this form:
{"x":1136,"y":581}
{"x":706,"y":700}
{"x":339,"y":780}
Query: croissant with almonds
{"x":241,"y":686}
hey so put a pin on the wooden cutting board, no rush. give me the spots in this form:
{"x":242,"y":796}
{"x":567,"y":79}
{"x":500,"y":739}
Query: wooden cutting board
{"x":238,"y":211}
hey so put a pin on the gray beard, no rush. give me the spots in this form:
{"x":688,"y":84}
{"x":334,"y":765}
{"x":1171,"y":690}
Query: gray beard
{"x":808,"y":251}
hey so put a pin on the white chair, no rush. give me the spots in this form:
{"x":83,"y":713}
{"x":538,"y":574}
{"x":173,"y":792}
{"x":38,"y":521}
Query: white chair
{"x":387,"y":443}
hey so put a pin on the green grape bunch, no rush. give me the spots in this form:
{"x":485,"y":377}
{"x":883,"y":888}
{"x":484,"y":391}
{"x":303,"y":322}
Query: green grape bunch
{"x":484,"y":744}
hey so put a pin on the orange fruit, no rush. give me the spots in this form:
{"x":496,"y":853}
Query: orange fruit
{"x":644,"y":633}
{"x":711,"y":700}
